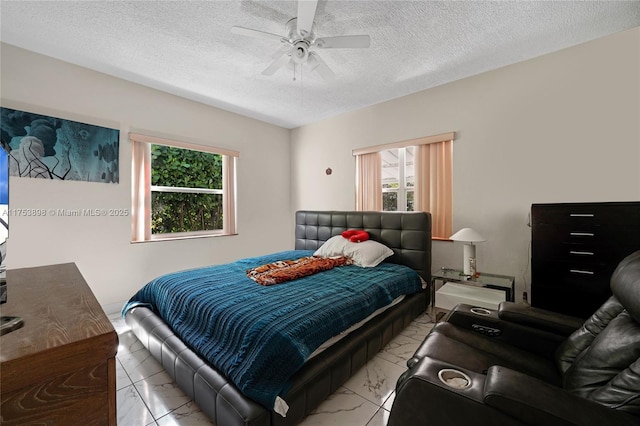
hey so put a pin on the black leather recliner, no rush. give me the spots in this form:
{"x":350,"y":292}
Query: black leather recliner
{"x":527,"y":366}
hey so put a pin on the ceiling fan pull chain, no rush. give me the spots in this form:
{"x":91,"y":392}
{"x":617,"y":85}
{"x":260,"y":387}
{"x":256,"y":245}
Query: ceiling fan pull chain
{"x":294,"y":71}
{"x":301,"y":86}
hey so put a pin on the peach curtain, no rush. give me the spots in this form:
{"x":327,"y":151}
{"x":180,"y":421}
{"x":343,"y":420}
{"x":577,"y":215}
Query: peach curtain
{"x":369,"y":182}
{"x":433,"y":185}
{"x":140,"y":194}
{"x":229,"y":194}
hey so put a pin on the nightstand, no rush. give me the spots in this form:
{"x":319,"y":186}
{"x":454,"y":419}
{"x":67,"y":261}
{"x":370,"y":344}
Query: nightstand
{"x":503,"y":283}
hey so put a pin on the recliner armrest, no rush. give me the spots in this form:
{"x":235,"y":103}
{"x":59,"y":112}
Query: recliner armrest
{"x":537,"y":402}
{"x":532,"y":339}
{"x":423,"y":398}
{"x":539,"y":318}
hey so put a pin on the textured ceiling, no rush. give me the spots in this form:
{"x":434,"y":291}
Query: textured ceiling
{"x":186,"y":47}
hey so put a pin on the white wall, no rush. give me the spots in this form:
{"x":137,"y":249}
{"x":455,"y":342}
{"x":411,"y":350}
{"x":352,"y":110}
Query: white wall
{"x":563,"y":127}
{"x":100,"y":246}
{"x":560,"y":128}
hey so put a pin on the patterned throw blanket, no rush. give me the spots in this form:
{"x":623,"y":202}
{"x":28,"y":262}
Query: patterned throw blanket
{"x":287,"y":270}
{"x":259,"y":336}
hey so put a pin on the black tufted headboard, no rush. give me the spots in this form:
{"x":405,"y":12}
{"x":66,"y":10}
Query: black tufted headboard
{"x":408,"y":234}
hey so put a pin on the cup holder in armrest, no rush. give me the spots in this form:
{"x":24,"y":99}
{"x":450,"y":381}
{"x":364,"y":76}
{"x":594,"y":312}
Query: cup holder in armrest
{"x":480,"y":311}
{"x":454,"y":378}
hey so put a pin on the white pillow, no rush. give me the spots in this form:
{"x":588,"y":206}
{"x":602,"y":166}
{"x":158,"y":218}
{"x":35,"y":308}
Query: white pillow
{"x":366,"y":254}
{"x":334,"y":246}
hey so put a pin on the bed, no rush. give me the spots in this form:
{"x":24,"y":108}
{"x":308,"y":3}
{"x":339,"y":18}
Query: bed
{"x":407,"y":234}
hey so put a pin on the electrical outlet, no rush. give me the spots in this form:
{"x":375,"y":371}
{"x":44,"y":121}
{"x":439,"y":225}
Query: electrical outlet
{"x":525,"y":296}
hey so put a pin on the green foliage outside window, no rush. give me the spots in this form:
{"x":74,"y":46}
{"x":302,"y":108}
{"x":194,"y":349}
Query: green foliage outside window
{"x":390,"y":201}
{"x":182,"y":211}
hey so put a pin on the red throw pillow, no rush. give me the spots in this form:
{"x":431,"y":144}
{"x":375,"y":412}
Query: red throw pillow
{"x":356,"y":235}
{"x":350,"y":233}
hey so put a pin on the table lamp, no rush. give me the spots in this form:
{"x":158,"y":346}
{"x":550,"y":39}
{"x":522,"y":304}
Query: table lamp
{"x":468,"y":236}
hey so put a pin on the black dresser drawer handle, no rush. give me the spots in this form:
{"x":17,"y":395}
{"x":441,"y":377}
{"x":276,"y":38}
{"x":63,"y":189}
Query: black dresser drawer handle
{"x":581,"y":253}
{"x":580,"y":271}
{"x":582,"y":215}
{"x":582,"y":234}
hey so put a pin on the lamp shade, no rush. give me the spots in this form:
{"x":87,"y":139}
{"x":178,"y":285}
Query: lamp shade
{"x":468,"y":235}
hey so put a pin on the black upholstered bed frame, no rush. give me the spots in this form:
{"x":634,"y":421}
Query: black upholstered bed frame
{"x":408,"y":234}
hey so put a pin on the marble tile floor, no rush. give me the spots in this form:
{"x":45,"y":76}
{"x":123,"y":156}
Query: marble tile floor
{"x":146,"y":395}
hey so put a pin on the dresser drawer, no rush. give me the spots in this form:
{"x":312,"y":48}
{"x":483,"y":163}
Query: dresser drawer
{"x":585,"y":213}
{"x":580,"y":276}
{"x":584,"y":253}
{"x":581,"y":304}
{"x":613,"y":235}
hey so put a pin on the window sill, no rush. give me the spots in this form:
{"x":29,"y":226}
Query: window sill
{"x":441,"y":239}
{"x":182,"y":236}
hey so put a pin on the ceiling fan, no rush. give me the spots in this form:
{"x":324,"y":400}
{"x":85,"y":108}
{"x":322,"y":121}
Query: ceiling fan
{"x":300,"y":39}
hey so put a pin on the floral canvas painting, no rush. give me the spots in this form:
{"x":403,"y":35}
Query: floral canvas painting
{"x":47,"y":147}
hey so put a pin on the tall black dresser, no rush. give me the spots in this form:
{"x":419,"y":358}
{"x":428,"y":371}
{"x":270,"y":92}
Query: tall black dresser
{"x":575,"y":248}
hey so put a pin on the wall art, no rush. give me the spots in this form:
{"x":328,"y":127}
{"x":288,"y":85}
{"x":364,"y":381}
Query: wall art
{"x":47,"y":147}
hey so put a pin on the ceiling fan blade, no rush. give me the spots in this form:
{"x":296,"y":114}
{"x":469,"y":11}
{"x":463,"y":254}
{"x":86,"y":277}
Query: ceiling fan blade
{"x":280,"y":61}
{"x":281,"y":51}
{"x":306,"y":13}
{"x":353,"y":41}
{"x":255,"y":33}
{"x":316,"y":63}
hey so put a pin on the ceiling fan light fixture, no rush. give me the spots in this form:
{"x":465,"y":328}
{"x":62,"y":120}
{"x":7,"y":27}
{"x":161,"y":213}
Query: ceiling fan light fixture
{"x":300,"y":52}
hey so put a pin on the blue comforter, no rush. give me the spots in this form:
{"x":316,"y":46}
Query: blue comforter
{"x":259,"y":336}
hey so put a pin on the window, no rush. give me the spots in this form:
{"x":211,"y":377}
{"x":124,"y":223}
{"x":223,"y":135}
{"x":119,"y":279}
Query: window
{"x":398,"y":179}
{"x":181,"y":189}
{"x":407,"y":176}
{"x":186,"y":190}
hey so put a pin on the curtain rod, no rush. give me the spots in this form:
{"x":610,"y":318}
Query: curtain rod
{"x":182,"y":144}
{"x":412,"y":142}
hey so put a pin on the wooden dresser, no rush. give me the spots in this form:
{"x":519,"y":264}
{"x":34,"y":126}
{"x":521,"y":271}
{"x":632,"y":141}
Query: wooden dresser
{"x":575,"y":248}
{"x":59,"y":368}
